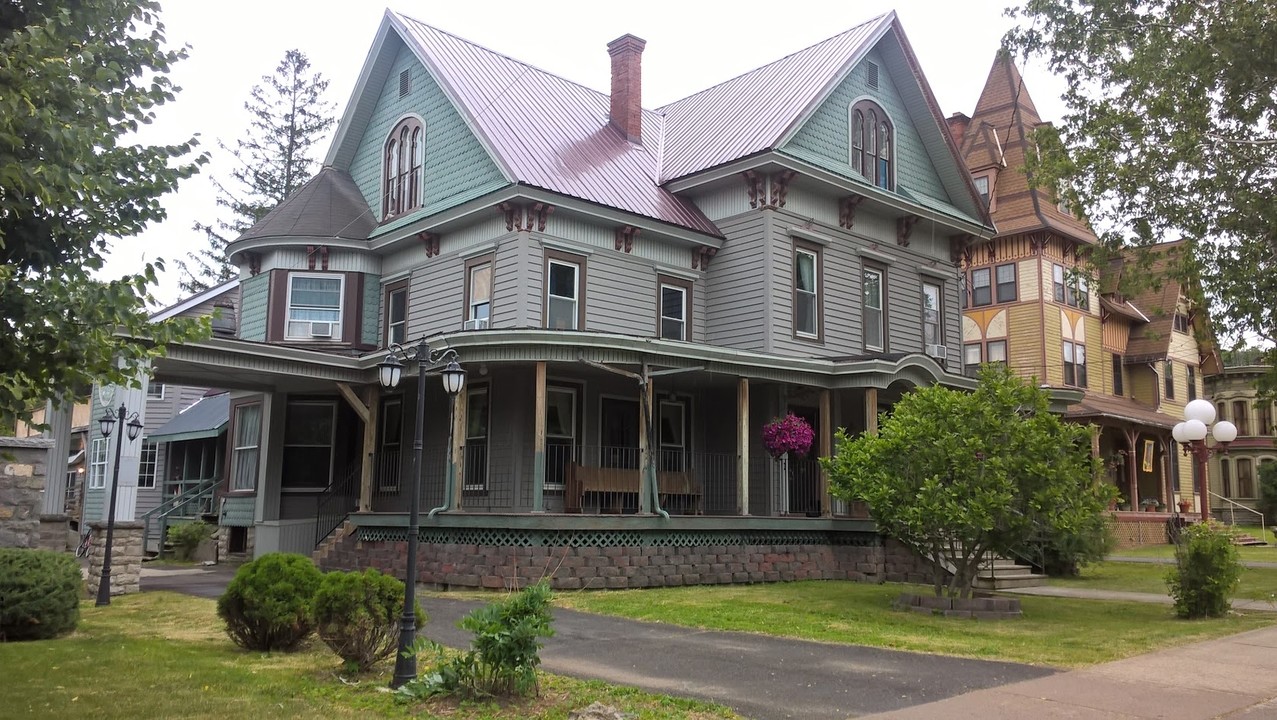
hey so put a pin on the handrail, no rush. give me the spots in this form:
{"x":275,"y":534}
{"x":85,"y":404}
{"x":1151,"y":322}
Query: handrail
{"x":1232,"y":513}
{"x":166,"y":508}
{"x":334,"y":502}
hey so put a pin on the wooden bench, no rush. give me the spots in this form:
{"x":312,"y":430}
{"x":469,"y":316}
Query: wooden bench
{"x":582,"y":480}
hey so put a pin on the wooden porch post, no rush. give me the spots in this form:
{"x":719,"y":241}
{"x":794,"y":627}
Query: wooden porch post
{"x":456,"y":453}
{"x":370,"y":439}
{"x":871,"y":411}
{"x":1168,"y":456}
{"x":826,"y":440}
{"x":742,"y":445}
{"x":1132,"y":479}
{"x":538,"y":441}
{"x":645,"y":445}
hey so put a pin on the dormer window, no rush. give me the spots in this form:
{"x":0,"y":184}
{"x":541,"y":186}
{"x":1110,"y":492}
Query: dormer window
{"x":872,"y":137}
{"x":402,"y":171}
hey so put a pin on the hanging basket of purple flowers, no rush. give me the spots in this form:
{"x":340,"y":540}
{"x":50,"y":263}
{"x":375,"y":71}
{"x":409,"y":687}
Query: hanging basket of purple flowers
{"x":790,"y":434}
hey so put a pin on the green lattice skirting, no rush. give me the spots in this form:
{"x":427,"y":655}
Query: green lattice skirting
{"x":502,"y":537}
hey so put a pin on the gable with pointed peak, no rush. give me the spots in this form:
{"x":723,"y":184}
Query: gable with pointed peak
{"x":1006,"y":108}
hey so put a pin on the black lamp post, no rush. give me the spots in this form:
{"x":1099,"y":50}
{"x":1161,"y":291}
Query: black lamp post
{"x":134,"y":428}
{"x":390,"y":371}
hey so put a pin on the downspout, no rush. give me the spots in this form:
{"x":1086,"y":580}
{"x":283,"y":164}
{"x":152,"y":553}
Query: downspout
{"x":451,"y":479}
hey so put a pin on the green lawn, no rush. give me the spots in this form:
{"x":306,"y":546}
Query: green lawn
{"x":160,"y":655}
{"x":1054,"y":631}
{"x":1256,"y":583}
{"x":1252,"y":553}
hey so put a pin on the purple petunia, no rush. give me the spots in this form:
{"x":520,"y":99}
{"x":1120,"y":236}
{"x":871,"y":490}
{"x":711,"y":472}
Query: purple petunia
{"x":788,"y":434}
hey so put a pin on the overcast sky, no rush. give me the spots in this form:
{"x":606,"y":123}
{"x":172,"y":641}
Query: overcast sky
{"x":691,"y":45}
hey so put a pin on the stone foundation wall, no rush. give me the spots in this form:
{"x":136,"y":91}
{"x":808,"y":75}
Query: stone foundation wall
{"x":56,"y":533}
{"x":634,"y":566}
{"x":126,"y":558}
{"x":22,"y":468}
{"x":224,"y":545}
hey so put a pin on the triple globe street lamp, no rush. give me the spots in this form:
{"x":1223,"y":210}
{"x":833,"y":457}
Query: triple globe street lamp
{"x":389,"y":372}
{"x":134,"y":428}
{"x":1191,"y":435}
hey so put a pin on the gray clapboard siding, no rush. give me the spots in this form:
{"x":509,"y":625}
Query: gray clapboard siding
{"x":435,"y":297}
{"x":620,"y":296}
{"x":735,"y":286}
{"x":510,"y":298}
{"x":724,"y":201}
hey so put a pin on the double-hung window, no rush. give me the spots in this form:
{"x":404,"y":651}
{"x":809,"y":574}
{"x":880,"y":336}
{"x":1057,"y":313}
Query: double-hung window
{"x":97,"y":464}
{"x":975,"y":354}
{"x":1006,"y":282}
{"x":1118,"y":387}
{"x":564,"y":309}
{"x":314,"y":307}
{"x":1057,"y":282}
{"x":1241,"y":417}
{"x":478,"y":308}
{"x":1264,"y":418}
{"x":155,"y":390}
{"x":872,"y":311}
{"x":981,"y":289}
{"x":1168,"y":379}
{"x":146,"y":464}
{"x":397,"y":313}
{"x":1074,"y":364}
{"x":1192,"y":383}
{"x":932,"y":324}
{"x":244,"y":452}
{"x":807,"y":280}
{"x":1070,"y":288}
{"x":675,"y":308}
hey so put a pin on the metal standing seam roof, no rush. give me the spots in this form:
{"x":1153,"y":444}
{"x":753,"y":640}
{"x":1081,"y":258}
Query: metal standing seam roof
{"x":752,"y":112}
{"x":550,"y":132}
{"x":207,"y":418}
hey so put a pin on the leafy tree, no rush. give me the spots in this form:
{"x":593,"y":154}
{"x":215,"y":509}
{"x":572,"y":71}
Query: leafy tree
{"x":290,"y":117}
{"x":960,"y":475}
{"x":1268,"y":491}
{"x":1171,"y":133}
{"x":77,"y":79}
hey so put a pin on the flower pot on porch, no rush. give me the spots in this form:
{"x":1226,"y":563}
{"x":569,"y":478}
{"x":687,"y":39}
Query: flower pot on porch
{"x":1185,"y":506}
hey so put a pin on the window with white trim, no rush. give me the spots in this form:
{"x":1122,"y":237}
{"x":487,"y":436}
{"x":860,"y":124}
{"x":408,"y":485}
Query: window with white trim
{"x":672,"y":433}
{"x":479,"y":292}
{"x":314,"y":307}
{"x":244,"y":451}
{"x":981,"y":287}
{"x":1005,"y":276}
{"x":155,"y":390}
{"x":146,"y":464}
{"x":932,"y":324}
{"x":560,"y":434}
{"x":872,"y":311}
{"x":405,"y":155}
{"x":97,"y":464}
{"x":309,"y":427}
{"x":1074,"y":364}
{"x":675,"y":303}
{"x":396,"y":315}
{"x":806,"y":292}
{"x":562,"y":295}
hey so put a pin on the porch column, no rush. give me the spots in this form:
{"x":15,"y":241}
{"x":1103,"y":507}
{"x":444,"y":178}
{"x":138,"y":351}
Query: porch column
{"x":826,"y":438}
{"x":646,"y":474}
{"x":456,"y":454}
{"x":871,"y":411}
{"x":538,"y":441}
{"x":270,"y":465}
{"x":367,"y":472}
{"x":1132,"y":479}
{"x":1168,"y":457}
{"x":742,"y":446}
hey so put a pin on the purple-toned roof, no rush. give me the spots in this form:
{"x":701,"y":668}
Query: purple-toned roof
{"x":549,"y":132}
{"x":754,"y":111}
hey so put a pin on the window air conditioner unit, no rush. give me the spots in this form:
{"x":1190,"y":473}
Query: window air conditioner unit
{"x":321,"y":329}
{"x":939,"y":352}
{"x":478,"y":324}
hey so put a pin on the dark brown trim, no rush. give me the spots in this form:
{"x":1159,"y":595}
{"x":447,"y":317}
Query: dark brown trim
{"x":884,"y":290}
{"x":687,"y":287}
{"x":352,"y":286}
{"x":579,"y":261}
{"x":352,"y":300}
{"x":489,"y":259}
{"x":819,"y":252}
{"x":386,"y":292}
{"x":277,"y":309}
{"x":230,"y":446}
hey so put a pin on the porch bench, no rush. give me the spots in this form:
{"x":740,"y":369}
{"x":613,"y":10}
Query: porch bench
{"x":582,"y":480}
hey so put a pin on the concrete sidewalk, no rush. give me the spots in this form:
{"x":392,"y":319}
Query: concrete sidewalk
{"x":1122,"y":596}
{"x":1232,"y":677}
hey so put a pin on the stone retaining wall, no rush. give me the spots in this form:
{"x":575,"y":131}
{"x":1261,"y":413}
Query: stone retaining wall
{"x":627,"y":566}
{"x":126,"y":557}
{"x":22,"y":469}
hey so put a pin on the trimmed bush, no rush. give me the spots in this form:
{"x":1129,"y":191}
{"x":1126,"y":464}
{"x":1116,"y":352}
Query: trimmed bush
{"x":186,"y":538}
{"x":1206,"y":572}
{"x":357,"y":615}
{"x":267,"y":605}
{"x":40,"y":594}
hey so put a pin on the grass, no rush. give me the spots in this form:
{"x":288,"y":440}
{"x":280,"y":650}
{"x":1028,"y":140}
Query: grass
{"x":1057,"y":632}
{"x":1252,"y":553}
{"x":1256,"y":583}
{"x":165,"y":655}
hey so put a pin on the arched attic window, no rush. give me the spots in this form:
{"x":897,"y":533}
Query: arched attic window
{"x":402,"y":168}
{"x":872,"y":141}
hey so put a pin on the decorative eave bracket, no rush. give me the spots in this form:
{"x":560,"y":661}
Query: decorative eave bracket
{"x":904,"y":228}
{"x":701,"y":257}
{"x":780,"y":186}
{"x":625,"y":235}
{"x":754,"y":184}
{"x":847,"y":210}
{"x":321,"y":251}
{"x":431,"y":241}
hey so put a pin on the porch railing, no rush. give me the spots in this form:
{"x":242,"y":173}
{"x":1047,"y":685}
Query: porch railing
{"x":189,"y":504}
{"x":795,"y":484}
{"x":337,"y":501}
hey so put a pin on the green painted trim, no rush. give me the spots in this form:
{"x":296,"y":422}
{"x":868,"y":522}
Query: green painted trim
{"x":192,"y":435}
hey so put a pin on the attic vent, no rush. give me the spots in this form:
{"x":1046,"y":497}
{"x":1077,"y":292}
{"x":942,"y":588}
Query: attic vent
{"x":871,"y":70}
{"x":405,"y":82}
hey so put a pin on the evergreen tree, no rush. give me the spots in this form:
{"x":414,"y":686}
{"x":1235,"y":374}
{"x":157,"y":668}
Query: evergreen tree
{"x":76,"y":81}
{"x":289,"y":117}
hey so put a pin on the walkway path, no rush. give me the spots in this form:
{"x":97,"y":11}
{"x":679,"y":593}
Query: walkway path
{"x":1171,"y":561}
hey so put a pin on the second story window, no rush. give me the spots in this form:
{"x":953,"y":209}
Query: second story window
{"x":155,"y":390}
{"x":874,"y":325}
{"x":397,"y":313}
{"x":1057,"y":282}
{"x":478,"y":293}
{"x":1006,"y":283}
{"x":1070,"y":288}
{"x":1264,"y":418}
{"x":675,"y":308}
{"x":314,"y":307}
{"x":1074,"y":364}
{"x":1168,"y":379}
{"x":1241,"y":417}
{"x":1118,"y":386}
{"x":872,"y":137}
{"x":981,"y":287}
{"x":807,"y":292}
{"x":1192,"y":383}
{"x":402,"y":169}
{"x":564,"y":309}
{"x":932,"y":326}
{"x":1181,"y":323}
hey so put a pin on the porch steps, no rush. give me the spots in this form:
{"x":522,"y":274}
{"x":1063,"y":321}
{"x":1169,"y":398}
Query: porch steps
{"x":1000,"y":573}
{"x":1241,"y":538}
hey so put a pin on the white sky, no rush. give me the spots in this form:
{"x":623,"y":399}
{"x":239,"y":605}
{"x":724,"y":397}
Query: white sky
{"x":691,"y":45}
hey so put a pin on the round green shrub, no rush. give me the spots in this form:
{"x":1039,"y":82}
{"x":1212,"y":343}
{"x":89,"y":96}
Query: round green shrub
{"x":267,"y":605}
{"x":40,"y":594}
{"x":186,"y":538}
{"x":357,"y":614}
{"x":1207,"y":570}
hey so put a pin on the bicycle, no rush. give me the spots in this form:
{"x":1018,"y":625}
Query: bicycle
{"x":86,"y":545}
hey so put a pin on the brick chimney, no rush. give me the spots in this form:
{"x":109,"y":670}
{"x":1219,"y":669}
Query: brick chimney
{"x":627,"y":85}
{"x":958,"y":123}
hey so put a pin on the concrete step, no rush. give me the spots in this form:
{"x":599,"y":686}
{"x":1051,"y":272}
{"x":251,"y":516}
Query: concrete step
{"x":1002,"y":582}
